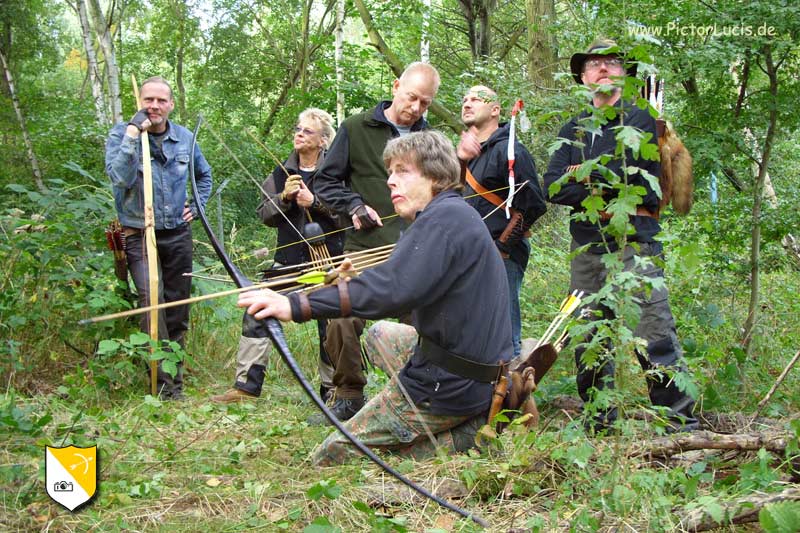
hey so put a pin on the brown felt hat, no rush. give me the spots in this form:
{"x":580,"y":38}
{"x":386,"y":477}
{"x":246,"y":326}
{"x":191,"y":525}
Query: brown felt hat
{"x":598,"y":48}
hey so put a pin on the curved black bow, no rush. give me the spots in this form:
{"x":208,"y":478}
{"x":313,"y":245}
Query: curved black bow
{"x":271,"y":328}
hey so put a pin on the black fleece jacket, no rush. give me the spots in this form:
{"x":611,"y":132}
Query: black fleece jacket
{"x":573,"y":193}
{"x":490,"y":169}
{"x":446,"y":271}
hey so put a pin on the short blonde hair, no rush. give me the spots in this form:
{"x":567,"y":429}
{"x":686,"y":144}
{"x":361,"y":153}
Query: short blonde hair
{"x":433,"y":155}
{"x":324,"y":122}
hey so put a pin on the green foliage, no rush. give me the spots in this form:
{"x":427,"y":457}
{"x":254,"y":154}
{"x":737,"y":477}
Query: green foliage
{"x":83,"y":385}
{"x":20,"y":419}
{"x":781,"y":517}
{"x":321,"y":525}
{"x":325,"y":488}
{"x":379,"y":523}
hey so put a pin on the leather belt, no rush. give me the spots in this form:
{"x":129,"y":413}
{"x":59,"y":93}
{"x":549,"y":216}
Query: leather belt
{"x":460,"y":366}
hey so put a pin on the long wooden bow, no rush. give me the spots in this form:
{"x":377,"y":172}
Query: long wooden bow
{"x":271,"y":328}
{"x":151,"y":250}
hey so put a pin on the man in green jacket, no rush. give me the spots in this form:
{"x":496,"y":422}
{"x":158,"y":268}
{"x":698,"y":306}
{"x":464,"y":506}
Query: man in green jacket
{"x":352,"y":181}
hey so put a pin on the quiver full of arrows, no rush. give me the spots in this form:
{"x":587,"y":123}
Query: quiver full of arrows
{"x":115,"y":238}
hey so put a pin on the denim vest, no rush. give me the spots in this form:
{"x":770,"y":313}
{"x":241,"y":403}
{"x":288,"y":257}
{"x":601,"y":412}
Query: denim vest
{"x":170,"y":174}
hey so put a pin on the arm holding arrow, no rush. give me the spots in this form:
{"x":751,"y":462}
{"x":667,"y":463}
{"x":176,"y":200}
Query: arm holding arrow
{"x":271,"y":328}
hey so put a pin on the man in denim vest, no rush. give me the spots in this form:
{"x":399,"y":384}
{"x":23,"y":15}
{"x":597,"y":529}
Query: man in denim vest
{"x":170,"y":152}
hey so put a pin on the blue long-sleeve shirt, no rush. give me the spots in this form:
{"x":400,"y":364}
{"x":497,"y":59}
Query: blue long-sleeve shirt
{"x":170,"y":174}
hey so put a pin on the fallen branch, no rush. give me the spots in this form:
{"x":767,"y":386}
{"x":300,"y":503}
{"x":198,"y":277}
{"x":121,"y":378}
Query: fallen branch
{"x":742,"y":511}
{"x":777,"y":384}
{"x":706,"y":440}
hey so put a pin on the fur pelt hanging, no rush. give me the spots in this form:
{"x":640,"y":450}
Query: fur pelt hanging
{"x":677,"y":178}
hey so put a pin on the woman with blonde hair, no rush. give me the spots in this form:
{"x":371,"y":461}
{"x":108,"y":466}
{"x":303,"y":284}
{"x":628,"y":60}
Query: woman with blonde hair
{"x":290,"y":198}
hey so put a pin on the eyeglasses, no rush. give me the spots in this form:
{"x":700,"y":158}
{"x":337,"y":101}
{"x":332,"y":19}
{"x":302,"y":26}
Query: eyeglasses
{"x":305,"y":131}
{"x":607,"y":61}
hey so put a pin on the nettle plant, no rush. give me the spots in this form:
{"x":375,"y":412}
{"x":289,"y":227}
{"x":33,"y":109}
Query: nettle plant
{"x":138,"y":346}
{"x":612,"y":340}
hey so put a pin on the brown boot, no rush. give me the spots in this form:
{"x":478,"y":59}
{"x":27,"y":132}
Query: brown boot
{"x":232,"y":396}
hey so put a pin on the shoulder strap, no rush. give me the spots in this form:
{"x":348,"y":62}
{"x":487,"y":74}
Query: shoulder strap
{"x":490,"y":197}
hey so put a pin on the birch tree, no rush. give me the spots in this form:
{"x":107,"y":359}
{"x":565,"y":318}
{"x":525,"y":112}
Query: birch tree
{"x":339,"y":59}
{"x":37,"y":173}
{"x":95,"y":79}
{"x":102,"y":29}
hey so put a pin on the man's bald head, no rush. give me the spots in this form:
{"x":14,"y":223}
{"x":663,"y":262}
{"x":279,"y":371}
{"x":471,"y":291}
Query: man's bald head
{"x":412,"y":93}
{"x":480,"y":108}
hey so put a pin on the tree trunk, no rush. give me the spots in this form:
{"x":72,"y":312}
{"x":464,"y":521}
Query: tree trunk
{"x":477,"y":14}
{"x":181,"y":9}
{"x":542,"y":60}
{"x":775,"y":442}
{"x":425,"y":38}
{"x":103,"y":31}
{"x":397,"y":66}
{"x":95,"y":80}
{"x":299,"y":68}
{"x":339,"y":58}
{"x":37,"y":173}
{"x":758,"y":197}
{"x":484,"y":35}
{"x":469,"y":17}
{"x":742,"y":511}
{"x":303,"y":51}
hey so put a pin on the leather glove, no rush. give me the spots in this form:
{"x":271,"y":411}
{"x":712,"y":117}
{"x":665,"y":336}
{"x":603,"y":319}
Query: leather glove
{"x":291,"y":188}
{"x":138,"y":119}
{"x":363,"y":217}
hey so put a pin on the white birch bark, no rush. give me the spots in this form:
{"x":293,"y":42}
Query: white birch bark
{"x":95,"y":80}
{"x":37,"y":173}
{"x":425,"y":38}
{"x":103,"y":32}
{"x":339,"y":57}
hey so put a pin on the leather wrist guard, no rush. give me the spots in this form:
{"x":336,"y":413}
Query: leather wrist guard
{"x":344,"y":298}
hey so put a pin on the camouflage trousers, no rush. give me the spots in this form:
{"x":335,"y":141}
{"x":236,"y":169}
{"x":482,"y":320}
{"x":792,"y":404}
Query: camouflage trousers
{"x":389,"y":421}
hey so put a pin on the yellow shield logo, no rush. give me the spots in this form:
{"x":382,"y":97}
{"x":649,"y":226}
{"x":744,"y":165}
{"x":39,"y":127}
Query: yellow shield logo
{"x":71,"y":475}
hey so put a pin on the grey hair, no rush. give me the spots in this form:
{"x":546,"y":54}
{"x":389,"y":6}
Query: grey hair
{"x":323,"y":119}
{"x":432,"y":153}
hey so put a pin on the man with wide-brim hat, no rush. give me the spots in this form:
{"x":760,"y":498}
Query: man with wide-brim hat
{"x":590,"y":135}
{"x":599,"y":50}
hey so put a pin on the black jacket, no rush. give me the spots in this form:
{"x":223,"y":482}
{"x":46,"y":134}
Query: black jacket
{"x":490,"y":169}
{"x":446,"y":271}
{"x":270,"y":213}
{"x":573,"y":193}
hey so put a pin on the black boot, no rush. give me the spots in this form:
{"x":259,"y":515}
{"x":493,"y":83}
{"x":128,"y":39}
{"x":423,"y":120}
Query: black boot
{"x":326,"y":393}
{"x":343,"y":409}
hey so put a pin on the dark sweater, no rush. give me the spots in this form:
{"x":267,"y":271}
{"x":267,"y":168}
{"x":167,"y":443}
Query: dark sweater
{"x":353,"y":174}
{"x":573,"y":193}
{"x":490,"y":169}
{"x":270,"y":214}
{"x":446,"y":271}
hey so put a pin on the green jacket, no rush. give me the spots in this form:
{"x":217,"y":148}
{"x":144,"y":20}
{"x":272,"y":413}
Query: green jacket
{"x":353,"y":174}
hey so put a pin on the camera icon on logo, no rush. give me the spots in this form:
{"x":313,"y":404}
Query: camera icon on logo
{"x":62,"y":486}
